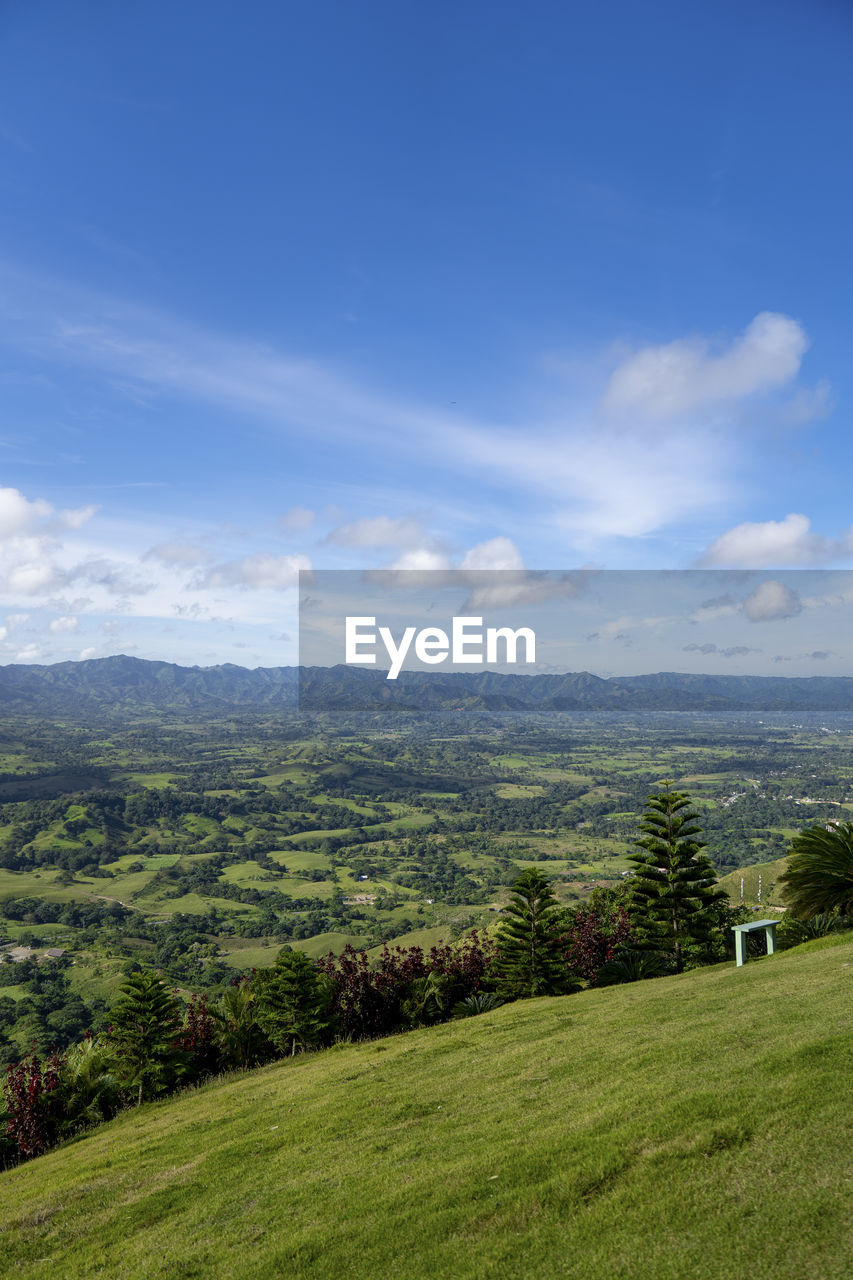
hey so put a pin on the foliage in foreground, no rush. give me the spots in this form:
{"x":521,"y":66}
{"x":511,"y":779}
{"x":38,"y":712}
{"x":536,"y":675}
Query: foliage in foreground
{"x":675,"y":1129}
{"x":672,"y":914}
{"x":819,"y":876}
{"x":152,"y":1049}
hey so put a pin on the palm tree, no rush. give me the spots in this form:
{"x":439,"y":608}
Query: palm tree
{"x":89,"y":1081}
{"x":242,"y":1041}
{"x":819,"y":875}
{"x":632,"y":966}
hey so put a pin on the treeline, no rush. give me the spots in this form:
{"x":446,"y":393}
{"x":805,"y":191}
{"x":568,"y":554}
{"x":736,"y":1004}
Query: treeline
{"x":146,"y":1045}
{"x":149,"y":1046}
{"x":49,"y":1013}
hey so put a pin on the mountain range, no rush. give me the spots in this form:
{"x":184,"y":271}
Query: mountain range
{"x":128,"y":684}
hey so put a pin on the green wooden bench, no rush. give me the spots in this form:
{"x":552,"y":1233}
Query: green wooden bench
{"x":741,"y":930}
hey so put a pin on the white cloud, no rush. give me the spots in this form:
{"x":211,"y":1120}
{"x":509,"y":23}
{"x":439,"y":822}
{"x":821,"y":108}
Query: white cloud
{"x":774,"y":544}
{"x":16,"y":620}
{"x":18,"y":514}
{"x":493,"y":571}
{"x":34,"y":578}
{"x":297,"y":520}
{"x":497,"y":553}
{"x":379,"y":531}
{"x":422,"y":558}
{"x":771,"y":601}
{"x":599,"y":482}
{"x":85,"y":654}
{"x":686,"y":376}
{"x":114,"y":576}
{"x":515,"y":587}
{"x":257,"y":571}
{"x":183,"y":554}
{"x":809,"y":404}
{"x":75,"y":519}
{"x":591,"y":475}
{"x":474,"y":569}
{"x":66,"y":623}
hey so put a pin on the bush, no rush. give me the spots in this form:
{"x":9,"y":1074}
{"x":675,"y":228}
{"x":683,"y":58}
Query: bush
{"x":633,"y":966}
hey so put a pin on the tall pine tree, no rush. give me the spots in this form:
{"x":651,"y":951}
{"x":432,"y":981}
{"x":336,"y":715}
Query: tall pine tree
{"x":530,"y":957}
{"x":146,"y":1026}
{"x":674,"y":894}
{"x":292,"y":1002}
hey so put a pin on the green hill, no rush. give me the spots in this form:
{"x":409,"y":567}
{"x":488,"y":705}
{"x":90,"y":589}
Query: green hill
{"x":687,"y":1128}
{"x":771,"y":890}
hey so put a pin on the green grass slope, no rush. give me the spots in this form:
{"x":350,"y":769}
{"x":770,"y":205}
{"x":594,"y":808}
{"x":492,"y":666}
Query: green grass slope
{"x":771,"y":890}
{"x":686,"y":1128}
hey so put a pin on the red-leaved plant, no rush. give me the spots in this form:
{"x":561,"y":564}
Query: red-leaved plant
{"x":198,"y":1038}
{"x":31,"y":1119}
{"x":592,"y":940}
{"x":366,"y":997}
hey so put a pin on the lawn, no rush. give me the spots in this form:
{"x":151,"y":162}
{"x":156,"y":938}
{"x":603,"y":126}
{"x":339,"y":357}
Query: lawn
{"x":687,"y":1128}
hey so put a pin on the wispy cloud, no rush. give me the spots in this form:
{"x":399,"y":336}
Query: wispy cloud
{"x":654,"y":449}
{"x":379,"y":531}
{"x":732,"y":651}
{"x":264,"y":571}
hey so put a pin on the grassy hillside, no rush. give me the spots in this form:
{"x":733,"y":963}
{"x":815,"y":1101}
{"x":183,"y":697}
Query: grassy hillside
{"x":771,"y":890}
{"x":681,"y":1129}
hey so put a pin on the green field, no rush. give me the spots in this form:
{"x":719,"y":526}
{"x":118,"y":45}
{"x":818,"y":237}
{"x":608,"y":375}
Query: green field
{"x":215,"y":833}
{"x":687,"y":1128}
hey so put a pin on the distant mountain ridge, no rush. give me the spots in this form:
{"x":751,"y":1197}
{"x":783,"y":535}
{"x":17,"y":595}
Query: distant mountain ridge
{"x":126,"y":683}
{"x":123,"y":683}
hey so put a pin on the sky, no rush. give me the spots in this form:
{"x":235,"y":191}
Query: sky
{"x":396,"y":285}
{"x":610,"y":622}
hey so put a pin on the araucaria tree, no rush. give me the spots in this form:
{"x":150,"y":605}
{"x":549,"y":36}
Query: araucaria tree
{"x":530,"y":957}
{"x":674,"y":894}
{"x":819,"y":877}
{"x":146,"y":1027}
{"x":292,"y":1001}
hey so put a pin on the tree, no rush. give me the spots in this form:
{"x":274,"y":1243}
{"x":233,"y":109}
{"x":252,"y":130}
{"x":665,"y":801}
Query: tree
{"x":199,"y":1040}
{"x":242,"y":1041}
{"x":819,"y":877}
{"x":89,"y":1084}
{"x":291,"y":1002}
{"x":146,"y":1026}
{"x":530,"y":959}
{"x":674,"y":893}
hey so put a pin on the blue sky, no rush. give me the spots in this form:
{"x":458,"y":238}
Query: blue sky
{"x":470,"y":284}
